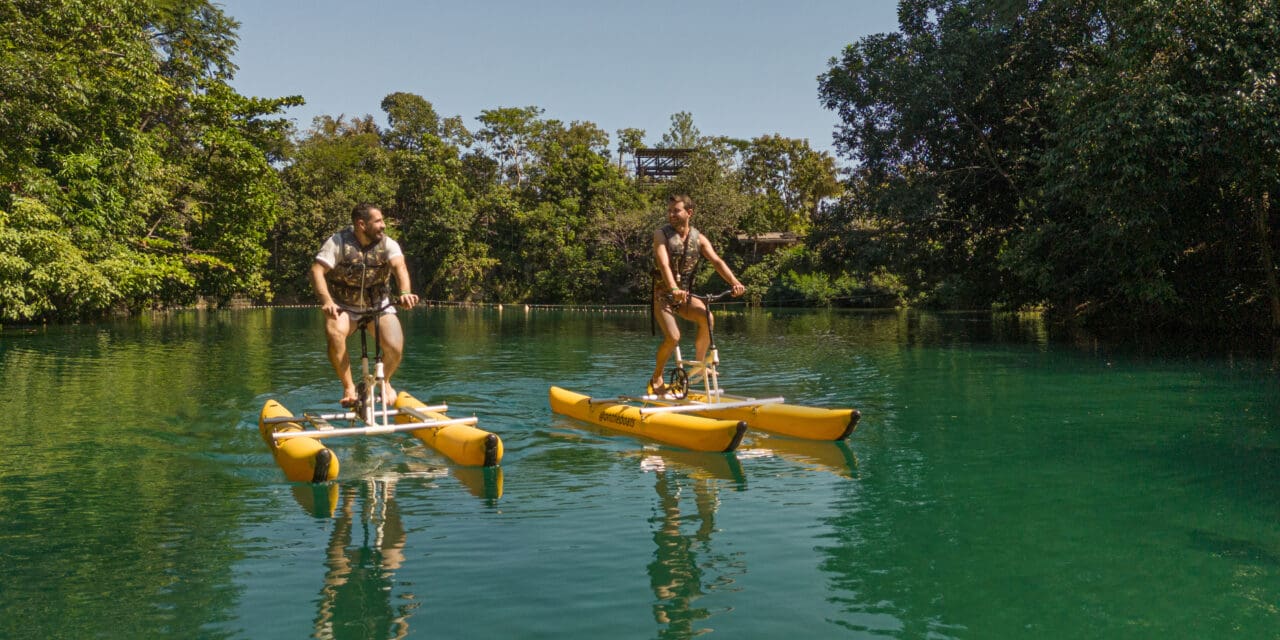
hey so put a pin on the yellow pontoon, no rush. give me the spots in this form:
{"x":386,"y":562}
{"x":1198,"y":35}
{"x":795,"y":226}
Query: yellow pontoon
{"x":690,"y":432}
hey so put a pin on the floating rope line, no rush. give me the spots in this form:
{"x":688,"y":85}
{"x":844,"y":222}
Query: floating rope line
{"x":498,"y":306}
{"x":800,"y":303}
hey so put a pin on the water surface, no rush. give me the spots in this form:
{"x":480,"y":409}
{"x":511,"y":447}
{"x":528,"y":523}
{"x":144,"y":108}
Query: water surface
{"x":1000,"y":485}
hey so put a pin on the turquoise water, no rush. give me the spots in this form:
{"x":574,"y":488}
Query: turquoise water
{"x":1000,"y":485}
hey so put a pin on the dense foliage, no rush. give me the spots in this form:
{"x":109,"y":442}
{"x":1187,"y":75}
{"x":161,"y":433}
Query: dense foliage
{"x":530,"y":209}
{"x":1111,"y":162}
{"x":131,"y":174}
{"x":1115,"y":162}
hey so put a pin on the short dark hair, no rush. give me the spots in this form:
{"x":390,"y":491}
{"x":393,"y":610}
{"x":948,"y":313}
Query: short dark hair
{"x":682,"y":199}
{"x":362,"y":211}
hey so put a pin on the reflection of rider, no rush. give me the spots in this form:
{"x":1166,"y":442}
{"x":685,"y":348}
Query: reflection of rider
{"x":356,"y":598}
{"x":677,"y":247}
{"x":676,"y":574}
{"x":350,"y":274}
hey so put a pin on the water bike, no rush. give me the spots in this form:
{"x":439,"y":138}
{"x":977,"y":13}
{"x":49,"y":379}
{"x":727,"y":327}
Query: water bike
{"x":693,"y":386}
{"x":295,"y":440}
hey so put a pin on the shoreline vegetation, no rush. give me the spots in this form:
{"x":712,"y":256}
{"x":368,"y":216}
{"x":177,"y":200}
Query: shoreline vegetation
{"x":1112,"y":167}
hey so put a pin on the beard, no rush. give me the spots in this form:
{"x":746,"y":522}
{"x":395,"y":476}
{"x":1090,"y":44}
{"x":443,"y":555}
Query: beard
{"x":373,"y":235}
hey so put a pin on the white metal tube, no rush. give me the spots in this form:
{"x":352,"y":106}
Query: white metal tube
{"x":351,"y":416}
{"x":421,"y":412}
{"x":709,"y":406}
{"x":372,"y":431}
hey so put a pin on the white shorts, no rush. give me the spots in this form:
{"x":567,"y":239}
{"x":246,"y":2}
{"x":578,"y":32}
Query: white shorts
{"x":356,"y":312}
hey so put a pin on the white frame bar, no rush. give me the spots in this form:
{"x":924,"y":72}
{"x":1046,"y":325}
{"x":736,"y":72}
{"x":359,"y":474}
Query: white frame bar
{"x":371,"y":431}
{"x":708,"y":406}
{"x":352,"y":416}
{"x":421,"y":412}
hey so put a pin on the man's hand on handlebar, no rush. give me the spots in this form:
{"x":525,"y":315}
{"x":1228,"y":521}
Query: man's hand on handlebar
{"x":736,"y":291}
{"x":407,"y":300}
{"x":330,"y":309}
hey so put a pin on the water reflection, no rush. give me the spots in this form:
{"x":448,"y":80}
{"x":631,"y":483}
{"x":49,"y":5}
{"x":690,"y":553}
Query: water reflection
{"x":996,"y":486}
{"x":832,"y":457}
{"x":482,"y":482}
{"x":366,"y":548}
{"x":685,"y":566}
{"x":319,"y":500}
{"x":698,"y":465}
{"x":486,"y":483}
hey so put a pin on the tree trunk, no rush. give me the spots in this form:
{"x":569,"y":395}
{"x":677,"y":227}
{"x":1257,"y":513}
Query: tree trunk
{"x":1262,"y":214}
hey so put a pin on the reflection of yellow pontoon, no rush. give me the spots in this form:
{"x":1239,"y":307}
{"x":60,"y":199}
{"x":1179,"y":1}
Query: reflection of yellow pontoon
{"x":835,"y":457}
{"x":303,"y":458}
{"x":481,"y":482}
{"x":699,"y":465}
{"x":318,"y":500}
{"x":690,"y":432}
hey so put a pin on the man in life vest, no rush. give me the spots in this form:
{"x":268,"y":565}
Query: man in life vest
{"x":350,"y":276}
{"x":677,"y":247}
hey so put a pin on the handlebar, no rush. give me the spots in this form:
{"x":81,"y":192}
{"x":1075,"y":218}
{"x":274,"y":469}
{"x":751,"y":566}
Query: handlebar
{"x":712,"y":297}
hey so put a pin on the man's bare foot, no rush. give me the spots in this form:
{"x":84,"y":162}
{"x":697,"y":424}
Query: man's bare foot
{"x":388,"y":394}
{"x":349,"y":397}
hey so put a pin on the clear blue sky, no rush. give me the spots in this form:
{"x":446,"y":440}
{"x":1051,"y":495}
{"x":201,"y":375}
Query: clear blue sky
{"x":743,"y":68}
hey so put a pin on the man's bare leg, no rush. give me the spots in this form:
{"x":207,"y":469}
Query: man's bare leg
{"x":670,"y":338}
{"x":336,"y":332}
{"x":391,"y":335}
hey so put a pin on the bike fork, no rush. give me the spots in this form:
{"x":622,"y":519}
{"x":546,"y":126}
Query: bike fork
{"x":369,"y":389}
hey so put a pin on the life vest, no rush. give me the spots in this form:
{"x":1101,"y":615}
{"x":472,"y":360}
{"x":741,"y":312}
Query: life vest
{"x":359,"y":276}
{"x":683,"y":255}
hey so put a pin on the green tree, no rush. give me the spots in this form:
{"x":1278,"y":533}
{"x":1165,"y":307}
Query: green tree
{"x":509,"y":132}
{"x":410,"y":118}
{"x":789,"y":179}
{"x":436,"y":197}
{"x":573,"y":188}
{"x":232,"y":198}
{"x":682,"y":134}
{"x":121,"y":142}
{"x":338,"y":164}
{"x":629,"y":140}
{"x":947,"y":114}
{"x":1116,"y":162}
{"x":69,"y":173}
{"x":1163,"y":159}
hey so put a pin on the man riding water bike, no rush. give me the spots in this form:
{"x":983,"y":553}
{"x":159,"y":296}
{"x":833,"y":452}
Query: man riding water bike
{"x":350,"y":276}
{"x":677,"y":247}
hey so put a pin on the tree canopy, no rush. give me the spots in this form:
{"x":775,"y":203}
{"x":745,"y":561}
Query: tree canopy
{"x":1114,"y":164}
{"x":133,"y":175}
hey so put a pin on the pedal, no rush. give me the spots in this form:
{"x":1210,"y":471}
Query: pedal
{"x":317,"y":421}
